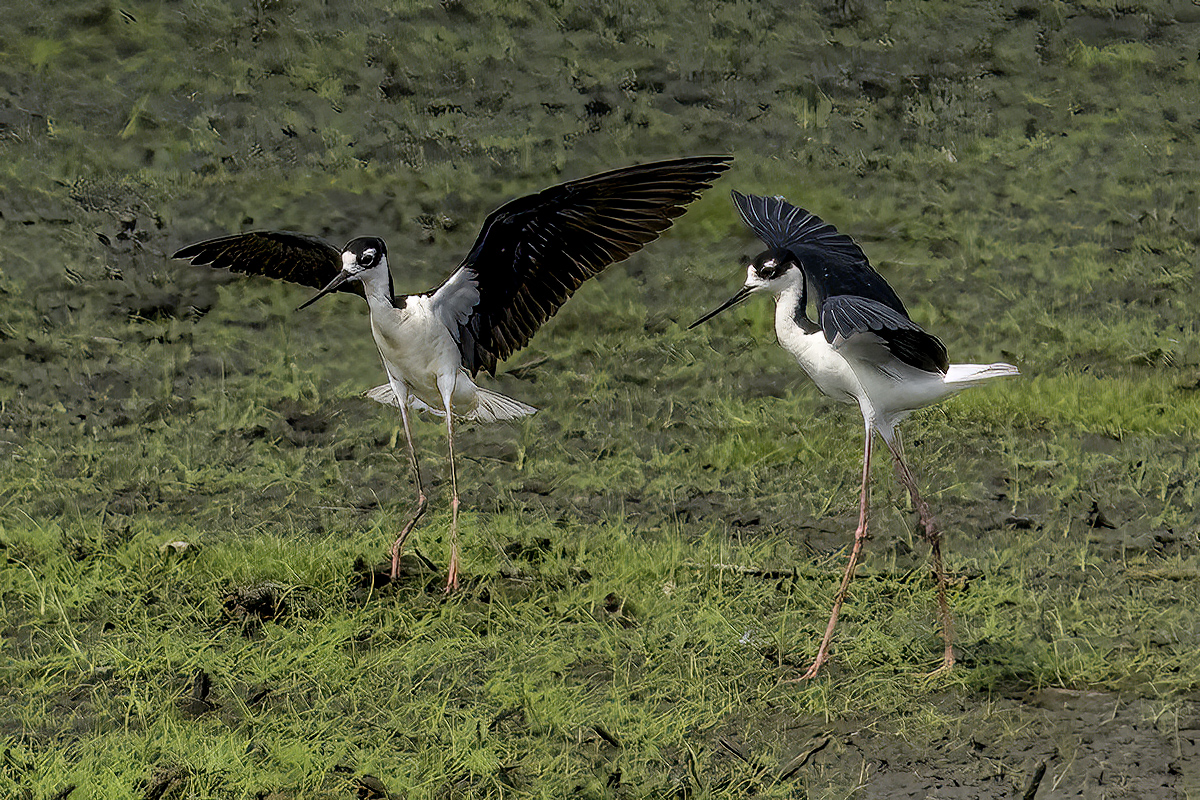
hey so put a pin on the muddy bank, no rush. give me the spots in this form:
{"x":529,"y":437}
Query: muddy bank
{"x":655,"y":550}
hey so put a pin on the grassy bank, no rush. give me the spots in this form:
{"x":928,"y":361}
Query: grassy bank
{"x":193,"y":493}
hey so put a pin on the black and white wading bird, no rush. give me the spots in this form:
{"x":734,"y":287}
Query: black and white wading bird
{"x":862,"y":348}
{"x":531,"y":255}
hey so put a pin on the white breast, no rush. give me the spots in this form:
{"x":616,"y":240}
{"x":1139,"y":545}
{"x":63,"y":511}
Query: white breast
{"x":824,"y":365}
{"x":415,"y":346}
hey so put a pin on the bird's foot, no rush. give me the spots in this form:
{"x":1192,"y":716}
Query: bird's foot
{"x":812,"y":671}
{"x":944,"y":669}
{"x":398,"y":545}
{"x":396,"y":559}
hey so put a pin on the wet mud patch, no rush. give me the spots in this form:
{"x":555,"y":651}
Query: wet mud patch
{"x":415,"y":569}
{"x":1048,"y":743}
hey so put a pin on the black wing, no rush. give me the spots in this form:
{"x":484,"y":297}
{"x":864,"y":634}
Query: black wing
{"x":846,"y":316}
{"x":295,"y":257}
{"x":535,"y":251}
{"x":833,"y":262}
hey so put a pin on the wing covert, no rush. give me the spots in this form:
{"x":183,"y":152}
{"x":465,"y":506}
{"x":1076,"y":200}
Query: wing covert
{"x":845,"y":316}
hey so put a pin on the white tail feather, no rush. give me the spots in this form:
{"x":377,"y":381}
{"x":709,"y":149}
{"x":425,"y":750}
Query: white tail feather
{"x":489,"y":406}
{"x":974,"y":373}
{"x":384,"y":394}
{"x":495,"y":407}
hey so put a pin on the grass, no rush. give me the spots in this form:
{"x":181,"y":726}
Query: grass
{"x":662,"y":649}
{"x":653,"y":554}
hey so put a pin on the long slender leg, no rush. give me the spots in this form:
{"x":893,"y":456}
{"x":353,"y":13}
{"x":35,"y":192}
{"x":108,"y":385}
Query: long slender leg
{"x":398,"y":545}
{"x":452,"y":576}
{"x":934,"y":536}
{"x":860,"y":537}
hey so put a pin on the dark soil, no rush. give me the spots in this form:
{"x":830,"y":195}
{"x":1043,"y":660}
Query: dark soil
{"x":1026,"y":174}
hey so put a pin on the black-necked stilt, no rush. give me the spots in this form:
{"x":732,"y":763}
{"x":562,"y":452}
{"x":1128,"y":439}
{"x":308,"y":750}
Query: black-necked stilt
{"x":862,"y":348}
{"x":531,"y":255}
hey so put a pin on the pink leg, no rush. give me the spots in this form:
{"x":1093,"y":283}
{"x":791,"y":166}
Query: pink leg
{"x":934,"y":537}
{"x":452,"y":572}
{"x":860,"y":537}
{"x":398,"y":545}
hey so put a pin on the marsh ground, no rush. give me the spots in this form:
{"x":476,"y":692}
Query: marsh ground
{"x":652,"y":555}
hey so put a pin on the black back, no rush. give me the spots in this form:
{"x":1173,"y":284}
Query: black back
{"x":852,"y":298}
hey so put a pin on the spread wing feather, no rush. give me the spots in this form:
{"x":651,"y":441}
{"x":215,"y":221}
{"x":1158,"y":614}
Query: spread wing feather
{"x":833,"y":262}
{"x":295,"y":257}
{"x":535,"y":251}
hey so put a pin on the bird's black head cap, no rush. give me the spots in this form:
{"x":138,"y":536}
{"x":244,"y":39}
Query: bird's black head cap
{"x":367,"y":250}
{"x":773,"y":263}
{"x":358,"y":258}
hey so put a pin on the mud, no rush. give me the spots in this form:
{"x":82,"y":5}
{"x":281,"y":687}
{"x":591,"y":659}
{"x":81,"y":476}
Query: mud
{"x":1068,"y":245}
{"x":1071,"y":744}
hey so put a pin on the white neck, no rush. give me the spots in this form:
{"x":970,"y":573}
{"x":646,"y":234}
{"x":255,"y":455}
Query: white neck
{"x":377,"y":284}
{"x":802,"y":339}
{"x":825,"y":366}
{"x":787,"y":308}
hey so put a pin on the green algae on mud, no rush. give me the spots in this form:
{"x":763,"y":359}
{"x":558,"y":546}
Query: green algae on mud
{"x":658,"y":547}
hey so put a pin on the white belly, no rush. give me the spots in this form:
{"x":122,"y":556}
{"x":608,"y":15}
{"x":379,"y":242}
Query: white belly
{"x":419,"y":353}
{"x":824,"y":365}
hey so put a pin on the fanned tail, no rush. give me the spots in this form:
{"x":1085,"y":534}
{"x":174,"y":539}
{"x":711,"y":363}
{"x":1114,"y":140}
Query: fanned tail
{"x":495,"y":407}
{"x":489,"y":406}
{"x":970,"y":374}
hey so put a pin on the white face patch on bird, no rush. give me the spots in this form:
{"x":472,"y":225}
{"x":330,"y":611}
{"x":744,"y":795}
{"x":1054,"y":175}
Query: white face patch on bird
{"x":770,"y":270}
{"x":358,"y":258}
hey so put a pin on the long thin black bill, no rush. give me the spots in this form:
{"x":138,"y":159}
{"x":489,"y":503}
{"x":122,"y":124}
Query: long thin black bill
{"x":742,"y":294}
{"x":332,"y":286}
